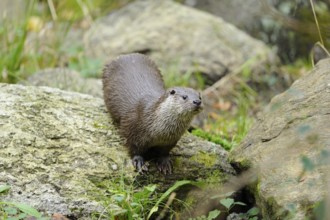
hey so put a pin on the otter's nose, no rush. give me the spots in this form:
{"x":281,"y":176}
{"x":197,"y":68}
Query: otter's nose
{"x":197,"y":102}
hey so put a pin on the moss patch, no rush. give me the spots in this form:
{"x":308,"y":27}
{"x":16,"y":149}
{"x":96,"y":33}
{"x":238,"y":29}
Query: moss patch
{"x":216,"y":177}
{"x":240,"y":163}
{"x":213,"y":138}
{"x":207,"y":159}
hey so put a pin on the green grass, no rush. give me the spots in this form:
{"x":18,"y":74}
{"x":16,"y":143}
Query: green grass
{"x":125,"y":201}
{"x":124,"y":198}
{"x":228,"y":127}
{"x":36,"y":40}
{"x":228,"y":130}
{"x":20,"y":57}
{"x":12,"y":48}
{"x":298,"y":68}
{"x":172,"y":77}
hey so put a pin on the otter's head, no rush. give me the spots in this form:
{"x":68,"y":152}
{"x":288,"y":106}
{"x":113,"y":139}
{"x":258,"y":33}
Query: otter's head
{"x":183,"y":101}
{"x":175,"y":110}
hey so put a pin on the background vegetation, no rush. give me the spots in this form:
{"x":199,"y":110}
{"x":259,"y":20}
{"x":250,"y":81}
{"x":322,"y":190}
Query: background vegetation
{"x":40,"y":37}
{"x":37,"y":39}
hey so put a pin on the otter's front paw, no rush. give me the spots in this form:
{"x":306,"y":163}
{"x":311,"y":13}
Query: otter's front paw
{"x":139,"y":165}
{"x":164,"y":165}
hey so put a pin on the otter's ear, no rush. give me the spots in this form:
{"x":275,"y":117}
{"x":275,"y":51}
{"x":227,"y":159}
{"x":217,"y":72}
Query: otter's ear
{"x":172,"y":92}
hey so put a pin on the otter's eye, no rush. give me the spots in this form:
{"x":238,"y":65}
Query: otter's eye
{"x":172,"y":92}
{"x":184,"y":97}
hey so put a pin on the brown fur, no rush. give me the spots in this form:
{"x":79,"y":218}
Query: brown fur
{"x":150,"y":118}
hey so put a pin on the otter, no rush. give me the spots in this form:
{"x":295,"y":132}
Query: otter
{"x":150,"y":118}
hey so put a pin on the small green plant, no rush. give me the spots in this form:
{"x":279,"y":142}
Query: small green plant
{"x":130,"y":205}
{"x":252,"y":214}
{"x":229,"y":203}
{"x":17,"y":211}
{"x":124,"y":201}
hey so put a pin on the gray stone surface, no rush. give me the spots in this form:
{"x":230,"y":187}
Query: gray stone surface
{"x":66,"y":79}
{"x":57,"y":146}
{"x":176,"y":36}
{"x":243,"y":14}
{"x":290,"y":145}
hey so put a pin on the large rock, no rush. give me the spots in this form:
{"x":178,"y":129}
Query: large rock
{"x":290,"y":146}
{"x":65,"y":79}
{"x":283,"y":23}
{"x":175,"y":36}
{"x":231,"y":11}
{"x":57,"y":146}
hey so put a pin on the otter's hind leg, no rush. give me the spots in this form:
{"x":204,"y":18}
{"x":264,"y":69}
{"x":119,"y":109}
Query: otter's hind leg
{"x":161,"y":157}
{"x":164,"y":164}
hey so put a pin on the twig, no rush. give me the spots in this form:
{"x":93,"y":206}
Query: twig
{"x":167,"y":205}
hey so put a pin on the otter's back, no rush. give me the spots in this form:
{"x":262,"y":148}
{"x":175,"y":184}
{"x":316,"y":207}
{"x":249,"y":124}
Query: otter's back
{"x":129,"y":79}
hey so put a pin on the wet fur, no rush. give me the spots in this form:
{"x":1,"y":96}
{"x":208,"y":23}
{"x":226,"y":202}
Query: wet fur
{"x":151,"y":119}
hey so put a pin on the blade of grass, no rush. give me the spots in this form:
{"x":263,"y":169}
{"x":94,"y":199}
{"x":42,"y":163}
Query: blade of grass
{"x":52,"y":9}
{"x":24,"y":208}
{"x":166,"y":194}
{"x":316,"y":22}
{"x":4,"y":188}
